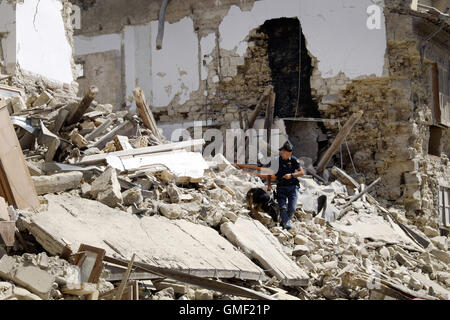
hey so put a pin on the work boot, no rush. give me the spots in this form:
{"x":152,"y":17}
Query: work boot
{"x":287,"y":226}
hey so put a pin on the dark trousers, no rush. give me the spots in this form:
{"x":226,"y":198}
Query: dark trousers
{"x":289,"y":193}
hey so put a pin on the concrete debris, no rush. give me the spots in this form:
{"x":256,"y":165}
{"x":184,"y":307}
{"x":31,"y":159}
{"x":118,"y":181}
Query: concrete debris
{"x":172,"y":211}
{"x":109,"y":178}
{"x":257,"y":242}
{"x":132,"y":196}
{"x":165,"y":294}
{"x":59,"y":182}
{"x":106,"y":188}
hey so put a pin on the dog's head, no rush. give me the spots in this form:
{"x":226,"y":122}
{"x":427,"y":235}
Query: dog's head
{"x":273,"y":209}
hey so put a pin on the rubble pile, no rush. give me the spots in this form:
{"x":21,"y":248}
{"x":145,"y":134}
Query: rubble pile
{"x":62,"y":128}
{"x":353,"y":248}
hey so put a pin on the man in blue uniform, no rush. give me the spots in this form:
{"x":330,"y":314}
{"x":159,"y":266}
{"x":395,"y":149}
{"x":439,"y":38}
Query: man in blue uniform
{"x":287,"y":183}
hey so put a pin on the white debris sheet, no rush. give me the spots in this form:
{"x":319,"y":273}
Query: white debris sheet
{"x":260,"y":244}
{"x":157,"y":241}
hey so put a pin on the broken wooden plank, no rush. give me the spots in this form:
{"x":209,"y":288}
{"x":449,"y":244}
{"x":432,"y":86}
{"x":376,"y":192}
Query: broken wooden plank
{"x":59,"y":122}
{"x":343,"y":133}
{"x":99,"y":130}
{"x":255,"y":113}
{"x":124,"y":281}
{"x":15,"y":178}
{"x":128,"y":293}
{"x":83,"y":106}
{"x":260,"y":244}
{"x":356,"y":197}
{"x":123,"y":127}
{"x":94,"y":267}
{"x":269,"y":115}
{"x":77,"y":139}
{"x":146,"y":113}
{"x":99,"y":158}
{"x":350,"y":182}
{"x":195,"y":280}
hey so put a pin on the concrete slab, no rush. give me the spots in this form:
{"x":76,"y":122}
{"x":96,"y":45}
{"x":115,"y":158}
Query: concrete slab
{"x":157,"y":241}
{"x":259,"y":243}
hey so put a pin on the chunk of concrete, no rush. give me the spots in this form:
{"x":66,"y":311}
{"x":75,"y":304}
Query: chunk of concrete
{"x":299,"y":239}
{"x":220,"y":162}
{"x":6,"y":290}
{"x":7,"y":264}
{"x":32,"y":278}
{"x":306,"y":262}
{"x":44,"y":98}
{"x":165,"y":294}
{"x":172,"y":211}
{"x":431,"y":232}
{"x":132,"y":196}
{"x":106,"y":188}
{"x":203,"y":294}
{"x":78,"y":139}
{"x":402,"y":260}
{"x":259,"y":243}
{"x":23,"y":294}
{"x":18,"y":104}
{"x":440,"y":242}
{"x":300,"y":250}
{"x":59,"y":182}
{"x":178,"y":288}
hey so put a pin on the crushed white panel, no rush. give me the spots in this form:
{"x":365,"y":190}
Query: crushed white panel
{"x":181,"y":163}
{"x":157,"y":241}
{"x":260,"y":244}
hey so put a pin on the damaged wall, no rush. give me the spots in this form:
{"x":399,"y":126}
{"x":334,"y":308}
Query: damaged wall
{"x":216,"y":41}
{"x":37,"y":42}
{"x":8,"y":37}
{"x":395,"y":127}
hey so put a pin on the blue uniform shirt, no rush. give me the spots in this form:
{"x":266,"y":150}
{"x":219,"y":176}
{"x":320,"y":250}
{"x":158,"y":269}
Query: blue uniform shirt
{"x":284,"y":167}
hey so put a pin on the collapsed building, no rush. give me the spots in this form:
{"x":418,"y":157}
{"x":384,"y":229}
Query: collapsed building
{"x":100,"y":150}
{"x":395,"y":70}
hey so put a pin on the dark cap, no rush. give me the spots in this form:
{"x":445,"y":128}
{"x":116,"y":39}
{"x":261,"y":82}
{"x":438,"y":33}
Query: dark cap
{"x":287,"y":146}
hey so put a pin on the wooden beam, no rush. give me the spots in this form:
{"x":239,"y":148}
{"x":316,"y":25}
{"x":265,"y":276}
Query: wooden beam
{"x":255,"y":113}
{"x":83,"y":106}
{"x":124,"y":281}
{"x":436,"y":100}
{"x":194,"y":280}
{"x":356,"y":197}
{"x":338,"y":140}
{"x":146,"y":113}
{"x":16,"y":185}
{"x":269,"y":115}
{"x":161,"y":21}
{"x":99,"y":130}
{"x":62,"y":116}
{"x":125,"y":126}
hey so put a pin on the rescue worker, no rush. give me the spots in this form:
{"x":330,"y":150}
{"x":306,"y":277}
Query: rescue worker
{"x":287,"y":183}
